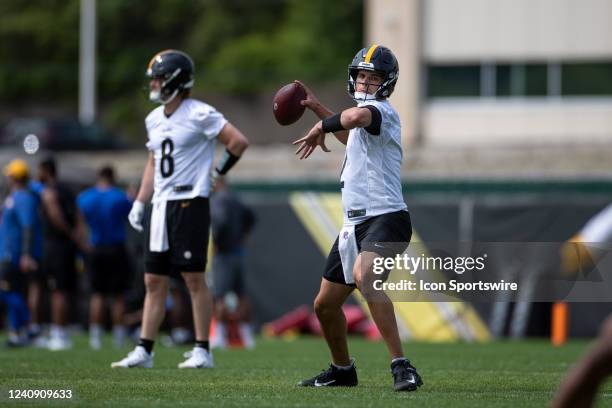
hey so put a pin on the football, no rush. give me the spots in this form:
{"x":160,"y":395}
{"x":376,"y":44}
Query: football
{"x":286,"y":104}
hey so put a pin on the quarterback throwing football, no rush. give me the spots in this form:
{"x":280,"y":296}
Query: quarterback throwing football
{"x":182,"y":133}
{"x":374,"y":212}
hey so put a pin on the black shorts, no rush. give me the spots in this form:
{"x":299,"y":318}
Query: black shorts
{"x":228,"y":274}
{"x":188,"y":227}
{"x":394,"y":228}
{"x":59,"y":265}
{"x":109,"y":269}
{"x":11,"y":278}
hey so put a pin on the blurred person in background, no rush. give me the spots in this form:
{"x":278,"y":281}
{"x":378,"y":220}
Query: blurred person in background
{"x":177,"y":179}
{"x":105,"y":208}
{"x":231,"y":224}
{"x":20,"y":248}
{"x":579,"y":388}
{"x":37,"y":287}
{"x":63,"y":234}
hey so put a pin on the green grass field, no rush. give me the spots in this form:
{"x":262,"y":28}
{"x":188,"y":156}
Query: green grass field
{"x":501,"y":374}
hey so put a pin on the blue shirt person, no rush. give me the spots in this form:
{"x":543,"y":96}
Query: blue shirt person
{"x":20,"y":228}
{"x":20,"y":247}
{"x":105,"y":209}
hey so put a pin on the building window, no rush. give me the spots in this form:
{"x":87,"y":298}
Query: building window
{"x":582,"y":79}
{"x":453,"y":81}
{"x":536,"y":80}
{"x":504,"y":80}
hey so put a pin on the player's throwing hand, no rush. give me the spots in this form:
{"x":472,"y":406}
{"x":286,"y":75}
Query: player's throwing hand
{"x":315,"y":137}
{"x":311,"y":101}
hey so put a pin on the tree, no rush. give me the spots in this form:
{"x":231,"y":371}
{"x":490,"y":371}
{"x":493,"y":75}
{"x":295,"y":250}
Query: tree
{"x":239,"y":46}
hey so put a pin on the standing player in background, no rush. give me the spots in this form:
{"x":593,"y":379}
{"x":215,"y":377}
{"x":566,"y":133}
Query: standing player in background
{"x":182,"y":134}
{"x":232,"y":222}
{"x":36,"y":287}
{"x":580,"y":386}
{"x":374,"y":212}
{"x":105,"y":208}
{"x":20,"y":247}
{"x":63,"y":234}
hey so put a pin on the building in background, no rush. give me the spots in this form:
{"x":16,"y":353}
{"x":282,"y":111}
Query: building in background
{"x":499,"y":72}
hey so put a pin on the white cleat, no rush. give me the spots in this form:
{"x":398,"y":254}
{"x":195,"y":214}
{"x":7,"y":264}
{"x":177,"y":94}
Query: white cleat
{"x":218,"y":342}
{"x":41,"y":341}
{"x":95,"y":343}
{"x":198,"y":358}
{"x":135,"y":358}
{"x":59,"y":344}
{"x":246,"y":332}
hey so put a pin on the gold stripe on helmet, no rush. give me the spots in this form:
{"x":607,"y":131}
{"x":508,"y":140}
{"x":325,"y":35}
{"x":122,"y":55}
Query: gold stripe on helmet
{"x":370,"y":52}
{"x":155,"y":57}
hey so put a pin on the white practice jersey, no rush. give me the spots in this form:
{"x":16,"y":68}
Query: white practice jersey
{"x":599,"y":228}
{"x":183,"y":146}
{"x":370,"y":177}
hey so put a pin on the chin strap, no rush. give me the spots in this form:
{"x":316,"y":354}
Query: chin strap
{"x":176,"y":92}
{"x":155,"y":96}
{"x":362,"y":97}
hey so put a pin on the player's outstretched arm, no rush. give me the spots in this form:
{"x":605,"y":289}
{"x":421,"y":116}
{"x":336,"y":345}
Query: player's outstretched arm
{"x":313,"y":103}
{"x":344,"y":121}
{"x":307,"y":144}
{"x":322,"y":112}
{"x":355,"y":118}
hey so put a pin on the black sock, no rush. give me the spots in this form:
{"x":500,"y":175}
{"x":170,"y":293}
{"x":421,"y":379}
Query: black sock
{"x":147,"y":344}
{"x":202,"y":344}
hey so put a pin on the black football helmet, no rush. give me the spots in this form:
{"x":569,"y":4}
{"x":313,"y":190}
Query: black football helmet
{"x":175,"y":69}
{"x":379,"y":59}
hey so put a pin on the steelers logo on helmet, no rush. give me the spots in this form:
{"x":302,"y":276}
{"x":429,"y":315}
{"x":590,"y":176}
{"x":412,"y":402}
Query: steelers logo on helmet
{"x":375,"y":58}
{"x":175,"y":70}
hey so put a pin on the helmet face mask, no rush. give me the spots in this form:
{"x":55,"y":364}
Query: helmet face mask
{"x":173,"y":70}
{"x":365,"y":87}
{"x":377,"y":59}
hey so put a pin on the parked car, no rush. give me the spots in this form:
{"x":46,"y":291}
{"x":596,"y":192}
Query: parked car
{"x":60,"y":134}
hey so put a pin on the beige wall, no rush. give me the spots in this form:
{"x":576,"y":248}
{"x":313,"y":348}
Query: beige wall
{"x":451,"y":31}
{"x":482,"y":123}
{"x":460,"y":30}
{"x":396,"y":24}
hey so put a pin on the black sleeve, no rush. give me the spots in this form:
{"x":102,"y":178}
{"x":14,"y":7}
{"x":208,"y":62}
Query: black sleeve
{"x":374,"y":127}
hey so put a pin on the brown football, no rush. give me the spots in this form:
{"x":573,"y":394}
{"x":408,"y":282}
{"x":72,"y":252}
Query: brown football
{"x":286,"y":103}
